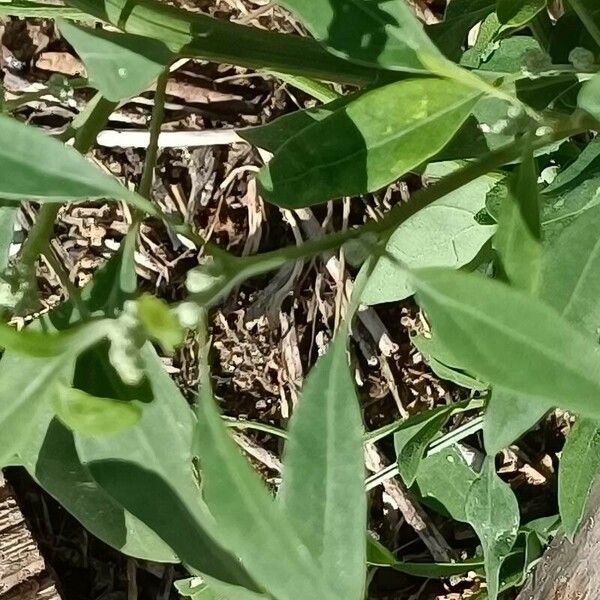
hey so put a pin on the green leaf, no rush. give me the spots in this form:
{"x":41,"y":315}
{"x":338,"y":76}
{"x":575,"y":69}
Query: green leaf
{"x":414,"y":436}
{"x":492,"y":329}
{"x":589,"y":97}
{"x":444,"y":365}
{"x":461,"y":16}
{"x":51,"y":459}
{"x":46,"y":448}
{"x":89,"y":415}
{"x":119,"y":65}
{"x":444,"y":234}
{"x":156,"y":460}
{"x":274,"y":135}
{"x":586,"y":164}
{"x":248,"y":518}
{"x":507,"y":417}
{"x":447,"y":476}
{"x":8,"y":219}
{"x":518,"y":239}
{"x":323,"y":491}
{"x":367,"y":144}
{"x":217,"y":40}
{"x":493,"y":512}
{"x":384,"y":33}
{"x":159,"y":322}
{"x":579,"y":468}
{"x":484,"y":45}
{"x":563,"y":207}
{"x":570,"y":285}
{"x":33,"y":166}
{"x":569,"y":280}
{"x":516,"y":13}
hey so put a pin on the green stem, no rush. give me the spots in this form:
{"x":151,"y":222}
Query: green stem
{"x":586,"y":19}
{"x":268,"y":261}
{"x":156,"y":120}
{"x":86,"y":128}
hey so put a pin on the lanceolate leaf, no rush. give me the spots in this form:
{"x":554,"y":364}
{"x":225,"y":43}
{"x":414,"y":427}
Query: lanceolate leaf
{"x":47,"y":449}
{"x":413,"y":438}
{"x":201,"y":36}
{"x":33,"y":166}
{"x":508,"y":416}
{"x":380,"y":32}
{"x":518,"y":239}
{"x":323,"y":492}
{"x":494,"y":331}
{"x":368,"y":144}
{"x":461,"y":16}
{"x":248,"y":518}
{"x":447,"y":476}
{"x":93,"y":416}
{"x":493,"y":511}
{"x":589,"y":97}
{"x":156,"y":482}
{"x":570,"y":284}
{"x":516,"y":13}
{"x":579,"y":467}
{"x":119,"y":65}
{"x":569,"y":278}
{"x":443,"y":365}
{"x":444,"y":234}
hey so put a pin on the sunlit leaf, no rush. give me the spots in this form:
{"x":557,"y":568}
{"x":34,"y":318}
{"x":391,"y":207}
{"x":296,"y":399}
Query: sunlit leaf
{"x":381,"y":32}
{"x":247,"y":516}
{"x":33,"y":166}
{"x":579,"y":468}
{"x":444,"y":234}
{"x":493,"y":512}
{"x":367,"y":144}
{"x":89,"y":415}
{"x":159,"y":322}
{"x":518,"y":239}
{"x":414,"y":436}
{"x":494,"y":330}
{"x":516,"y":13}
{"x":508,"y":416}
{"x":198,"y":35}
{"x":118,"y":65}
{"x":322,"y":492}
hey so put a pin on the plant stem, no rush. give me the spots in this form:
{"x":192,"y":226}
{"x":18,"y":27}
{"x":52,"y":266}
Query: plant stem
{"x":586,"y":19}
{"x":268,"y":261}
{"x":156,"y":120}
{"x":89,"y":123}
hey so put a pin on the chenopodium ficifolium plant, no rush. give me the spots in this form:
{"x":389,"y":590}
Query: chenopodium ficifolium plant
{"x":499,"y":246}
